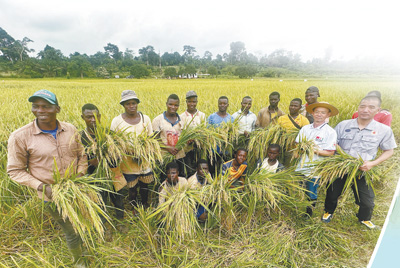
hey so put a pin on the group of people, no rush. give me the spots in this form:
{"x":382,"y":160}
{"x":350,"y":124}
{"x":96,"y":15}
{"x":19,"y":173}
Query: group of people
{"x":33,"y":148}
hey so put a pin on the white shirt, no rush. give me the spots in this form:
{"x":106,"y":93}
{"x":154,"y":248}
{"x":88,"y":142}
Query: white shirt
{"x":246,"y":122}
{"x":192,"y":119}
{"x":166,"y":189}
{"x":324,"y":137}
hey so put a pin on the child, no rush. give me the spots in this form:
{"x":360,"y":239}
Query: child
{"x":271,"y":163}
{"x":236,"y":168}
{"x":173,"y":181}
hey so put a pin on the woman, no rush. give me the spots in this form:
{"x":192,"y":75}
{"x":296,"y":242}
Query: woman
{"x":133,"y":121}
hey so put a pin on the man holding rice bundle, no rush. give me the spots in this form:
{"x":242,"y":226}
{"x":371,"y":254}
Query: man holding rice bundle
{"x":361,"y":137}
{"x":324,"y":138}
{"x":137,"y":176}
{"x":32,"y":151}
{"x":190,"y":118}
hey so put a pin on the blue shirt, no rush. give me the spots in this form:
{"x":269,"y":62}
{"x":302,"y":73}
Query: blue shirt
{"x":52,"y":132}
{"x":216,"y":120}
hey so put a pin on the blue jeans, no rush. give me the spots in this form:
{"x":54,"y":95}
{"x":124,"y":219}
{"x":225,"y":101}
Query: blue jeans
{"x":312,"y":188}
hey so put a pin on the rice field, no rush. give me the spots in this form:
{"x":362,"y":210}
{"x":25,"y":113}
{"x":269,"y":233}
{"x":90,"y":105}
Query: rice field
{"x":28,"y":238}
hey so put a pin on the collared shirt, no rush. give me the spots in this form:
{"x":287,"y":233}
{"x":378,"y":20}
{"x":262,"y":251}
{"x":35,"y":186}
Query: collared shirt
{"x":194,"y":182}
{"x":285,"y":122}
{"x":365,"y":142}
{"x":192,"y":119}
{"x":384,"y":117}
{"x":216,"y":120}
{"x":265,"y":117}
{"x":246,"y":122}
{"x":129,"y":165}
{"x":166,"y":189}
{"x":169,"y":131}
{"x":31,"y":154}
{"x":324,"y":137}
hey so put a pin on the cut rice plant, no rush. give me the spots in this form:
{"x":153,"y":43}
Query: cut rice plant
{"x":271,"y":190}
{"x":205,"y":138}
{"x":229,"y":133}
{"x":222,"y":198}
{"x":145,"y":149}
{"x":303,"y":150}
{"x":178,"y":213}
{"x":78,"y":200}
{"x":341,"y":164}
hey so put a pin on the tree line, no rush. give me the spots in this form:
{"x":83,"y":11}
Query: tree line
{"x":51,"y":62}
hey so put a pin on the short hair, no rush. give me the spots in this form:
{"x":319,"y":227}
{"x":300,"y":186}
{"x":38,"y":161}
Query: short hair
{"x":372,"y":97}
{"x":223,"y":98}
{"x":274,"y":146}
{"x":313,"y":89}
{"x":89,"y":106}
{"x":374,"y":93}
{"x":201,"y":161}
{"x":298,"y":100}
{"x":275,"y":93}
{"x":240,"y":149}
{"x":173,"y":97}
{"x":246,"y":97}
{"x":172,"y":165}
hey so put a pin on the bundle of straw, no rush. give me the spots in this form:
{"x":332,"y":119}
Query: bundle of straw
{"x":145,"y":149}
{"x":305,"y":148}
{"x":223,"y":199}
{"x":335,"y":167}
{"x":271,"y":189}
{"x":204,"y":137}
{"x":229,"y":133}
{"x":260,"y":139}
{"x":78,"y":200}
{"x":178,"y":213}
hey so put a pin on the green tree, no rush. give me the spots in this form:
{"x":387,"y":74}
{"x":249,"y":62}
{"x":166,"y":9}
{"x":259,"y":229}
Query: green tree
{"x":79,"y":66}
{"x":52,"y":61}
{"x":190,"y":69}
{"x":23,"y":47}
{"x":212,"y":70}
{"x":245,"y":71}
{"x":170,"y":72}
{"x":139,"y":71}
{"x":113,"y":51}
{"x":144,"y":52}
{"x":238,"y":51}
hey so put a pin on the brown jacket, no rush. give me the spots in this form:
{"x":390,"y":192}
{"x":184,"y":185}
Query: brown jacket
{"x":31,"y":154}
{"x":264,"y":117}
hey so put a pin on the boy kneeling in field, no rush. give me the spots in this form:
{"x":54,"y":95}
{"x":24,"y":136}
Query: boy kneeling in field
{"x":271,"y":162}
{"x":173,"y":181}
{"x":236,"y":169}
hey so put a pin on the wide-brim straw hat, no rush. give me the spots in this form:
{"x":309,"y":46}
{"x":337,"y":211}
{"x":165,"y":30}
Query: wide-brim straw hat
{"x":334,"y":111}
{"x":128,"y":95}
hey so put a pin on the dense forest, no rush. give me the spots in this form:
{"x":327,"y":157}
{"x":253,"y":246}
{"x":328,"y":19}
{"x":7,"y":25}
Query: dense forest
{"x":16,"y":61}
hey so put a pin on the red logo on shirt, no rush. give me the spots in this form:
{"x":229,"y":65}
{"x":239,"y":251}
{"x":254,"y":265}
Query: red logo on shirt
{"x":172,"y":138}
{"x":318,"y":138}
{"x":373,"y":132}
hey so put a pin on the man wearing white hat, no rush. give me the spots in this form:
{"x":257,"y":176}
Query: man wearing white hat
{"x":325,"y":139}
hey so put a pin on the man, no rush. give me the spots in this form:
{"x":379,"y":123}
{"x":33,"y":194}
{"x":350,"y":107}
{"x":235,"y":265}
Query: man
{"x":91,"y":115}
{"x":222,"y":116}
{"x":247,"y":119}
{"x":271,"y":162}
{"x":215,"y":120}
{"x":292,"y":121}
{"x":191,"y":118}
{"x":324,"y":138}
{"x":197,"y":181}
{"x":361,"y":137}
{"x":173,"y":181}
{"x":32,"y":151}
{"x":383,"y":116}
{"x":269,"y":114}
{"x":311,"y":97}
{"x":168,"y":126}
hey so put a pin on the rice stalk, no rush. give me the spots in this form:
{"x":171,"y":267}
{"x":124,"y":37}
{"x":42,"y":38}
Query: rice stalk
{"x":145,"y":149}
{"x":78,"y":200}
{"x":228,"y":132}
{"x":304,"y":149}
{"x":336,"y":167}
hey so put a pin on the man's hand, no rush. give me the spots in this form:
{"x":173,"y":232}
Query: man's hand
{"x":47,"y":190}
{"x":367,"y":166}
{"x":94,"y":162}
{"x":172,"y":150}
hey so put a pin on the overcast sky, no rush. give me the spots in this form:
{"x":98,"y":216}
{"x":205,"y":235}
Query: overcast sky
{"x":351,"y":28}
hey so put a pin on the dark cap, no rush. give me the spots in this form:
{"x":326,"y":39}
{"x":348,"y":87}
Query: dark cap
{"x":44,"y":94}
{"x":190,"y":94}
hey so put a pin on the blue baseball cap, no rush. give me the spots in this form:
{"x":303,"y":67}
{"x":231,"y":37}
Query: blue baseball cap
{"x":44,"y":94}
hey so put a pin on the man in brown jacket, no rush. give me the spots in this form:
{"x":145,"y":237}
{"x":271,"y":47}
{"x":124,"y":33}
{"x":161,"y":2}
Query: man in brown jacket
{"x":269,"y":114}
{"x":32,"y":150}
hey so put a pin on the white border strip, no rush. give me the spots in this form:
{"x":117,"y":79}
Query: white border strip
{"x":396,"y":194}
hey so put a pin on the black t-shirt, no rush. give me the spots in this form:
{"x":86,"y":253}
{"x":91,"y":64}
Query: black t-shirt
{"x":86,"y":143}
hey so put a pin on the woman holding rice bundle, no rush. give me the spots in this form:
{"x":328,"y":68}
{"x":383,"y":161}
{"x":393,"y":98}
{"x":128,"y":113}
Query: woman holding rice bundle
{"x":133,"y":121}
